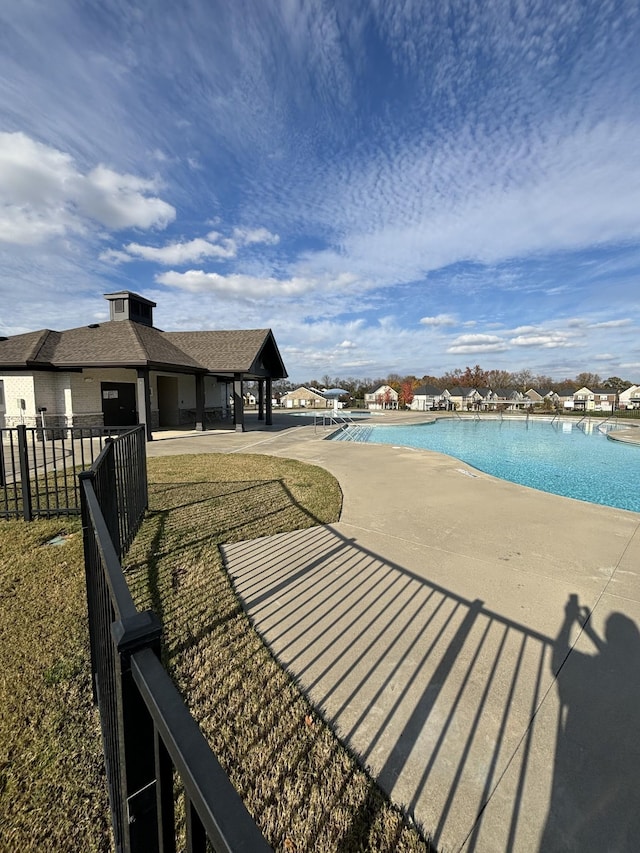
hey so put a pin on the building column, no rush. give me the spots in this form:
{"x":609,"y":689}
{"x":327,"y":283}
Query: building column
{"x":143,"y":399}
{"x":269,"y":394}
{"x":200,"y":421}
{"x":238,"y":403}
{"x":261,"y":400}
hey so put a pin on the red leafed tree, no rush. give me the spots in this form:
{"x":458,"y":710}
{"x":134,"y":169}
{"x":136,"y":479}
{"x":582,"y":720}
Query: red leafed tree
{"x":406,"y":393}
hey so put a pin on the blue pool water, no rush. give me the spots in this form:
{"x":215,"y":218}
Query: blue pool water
{"x":560,"y":457}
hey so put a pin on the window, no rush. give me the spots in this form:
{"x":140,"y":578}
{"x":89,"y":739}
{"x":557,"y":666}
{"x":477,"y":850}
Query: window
{"x":1,"y":393}
{"x":118,"y":306}
{"x":139,"y":309}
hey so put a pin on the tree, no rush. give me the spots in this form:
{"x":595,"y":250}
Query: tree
{"x":394,"y":380}
{"x":474,"y":377}
{"x":498,"y":379}
{"x":588,"y":380}
{"x":542,"y":381}
{"x":282,"y":386}
{"x":406,"y":392}
{"x":522,"y":379}
{"x":616,"y":384}
{"x":431,"y":380}
{"x":452,"y":378}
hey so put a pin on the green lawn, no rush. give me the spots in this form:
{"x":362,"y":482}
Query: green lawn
{"x":52,"y":789}
{"x":306,"y":791}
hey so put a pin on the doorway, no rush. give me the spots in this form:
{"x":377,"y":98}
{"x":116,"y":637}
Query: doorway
{"x":119,"y":404}
{"x":168,"y":415}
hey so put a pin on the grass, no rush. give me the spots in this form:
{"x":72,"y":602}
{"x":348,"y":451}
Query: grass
{"x":305,"y":790}
{"x":52,"y":789}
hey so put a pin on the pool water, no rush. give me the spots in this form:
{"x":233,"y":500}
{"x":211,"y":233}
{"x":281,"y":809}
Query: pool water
{"x":576,"y":461}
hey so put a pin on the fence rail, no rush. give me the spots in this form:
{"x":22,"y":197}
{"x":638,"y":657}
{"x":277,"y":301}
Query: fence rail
{"x":148,"y":733}
{"x":38,"y":468}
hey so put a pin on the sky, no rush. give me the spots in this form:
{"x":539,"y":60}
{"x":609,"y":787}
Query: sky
{"x":391,"y":186}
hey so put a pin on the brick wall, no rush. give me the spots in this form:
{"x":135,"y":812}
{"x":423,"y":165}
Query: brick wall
{"x":19,"y":386}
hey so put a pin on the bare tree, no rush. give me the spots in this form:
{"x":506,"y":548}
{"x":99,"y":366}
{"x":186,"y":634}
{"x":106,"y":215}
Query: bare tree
{"x":588,"y":380}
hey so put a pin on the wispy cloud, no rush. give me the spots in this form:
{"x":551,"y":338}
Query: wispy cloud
{"x":386,"y":175}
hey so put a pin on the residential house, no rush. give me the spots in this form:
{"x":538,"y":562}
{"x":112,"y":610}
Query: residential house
{"x":604,"y":399}
{"x":383,"y":397}
{"x":305,"y":398}
{"x":562,"y":398}
{"x":598,"y":400}
{"x":510,"y":399}
{"x":427,"y":398}
{"x":485,"y":400}
{"x":630,"y":398}
{"x":464,"y":399}
{"x":540,"y":397}
{"x":126,"y":371}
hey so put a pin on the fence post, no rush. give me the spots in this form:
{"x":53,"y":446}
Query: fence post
{"x":23,"y":456}
{"x":106,"y":488}
{"x":90,"y":571}
{"x":136,"y":735}
{"x":2,"y":474}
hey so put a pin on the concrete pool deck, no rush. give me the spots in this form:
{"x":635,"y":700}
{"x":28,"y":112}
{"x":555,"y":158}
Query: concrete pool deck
{"x":439,"y":627}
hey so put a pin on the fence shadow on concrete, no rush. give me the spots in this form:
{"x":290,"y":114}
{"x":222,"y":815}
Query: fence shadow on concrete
{"x":438,"y":695}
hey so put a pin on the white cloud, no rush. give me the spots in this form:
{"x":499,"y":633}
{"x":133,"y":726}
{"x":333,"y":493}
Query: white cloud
{"x":43,"y":194}
{"x":238,"y":285}
{"x":439,"y":320}
{"x":183,"y":253}
{"x":179,"y":253}
{"x":466,"y":344}
{"x":247,"y":237}
{"x":121,"y":201}
{"x":551,"y":341}
{"x":257,"y":287}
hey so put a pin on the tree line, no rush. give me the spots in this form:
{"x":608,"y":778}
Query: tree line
{"x":470,"y":377}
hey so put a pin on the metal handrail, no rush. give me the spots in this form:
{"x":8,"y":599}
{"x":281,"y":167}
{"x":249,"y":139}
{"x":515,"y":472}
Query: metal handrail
{"x":147,"y":729}
{"x":219,"y":809}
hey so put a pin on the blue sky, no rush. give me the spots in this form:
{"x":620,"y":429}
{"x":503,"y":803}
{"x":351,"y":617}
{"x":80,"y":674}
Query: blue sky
{"x":392,"y":187}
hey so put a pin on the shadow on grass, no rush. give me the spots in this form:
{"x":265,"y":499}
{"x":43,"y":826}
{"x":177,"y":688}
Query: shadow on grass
{"x":305,"y":790}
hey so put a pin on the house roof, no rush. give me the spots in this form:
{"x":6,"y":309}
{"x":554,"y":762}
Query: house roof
{"x":427,"y":391}
{"x":461,"y":391}
{"x":19,"y":349}
{"x":251,"y":351}
{"x":382,"y":390}
{"x":125,"y":343}
{"x":508,"y":393}
{"x":302,"y":390}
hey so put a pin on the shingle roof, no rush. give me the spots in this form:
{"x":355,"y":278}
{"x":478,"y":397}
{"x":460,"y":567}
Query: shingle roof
{"x":127,"y":343}
{"x":238,"y":351}
{"x":461,"y":391}
{"x":20,"y":349}
{"x":427,"y":391}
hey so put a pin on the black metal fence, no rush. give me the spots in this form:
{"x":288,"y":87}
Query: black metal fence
{"x":150,"y":738}
{"x":38,"y":469}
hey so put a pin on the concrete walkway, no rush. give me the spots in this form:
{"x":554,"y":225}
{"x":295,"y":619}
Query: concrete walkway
{"x":440,"y":626}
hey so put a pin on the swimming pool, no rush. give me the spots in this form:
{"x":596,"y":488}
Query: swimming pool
{"x":576,"y":461}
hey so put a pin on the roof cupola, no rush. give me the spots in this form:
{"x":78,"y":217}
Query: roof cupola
{"x":125,"y":305}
